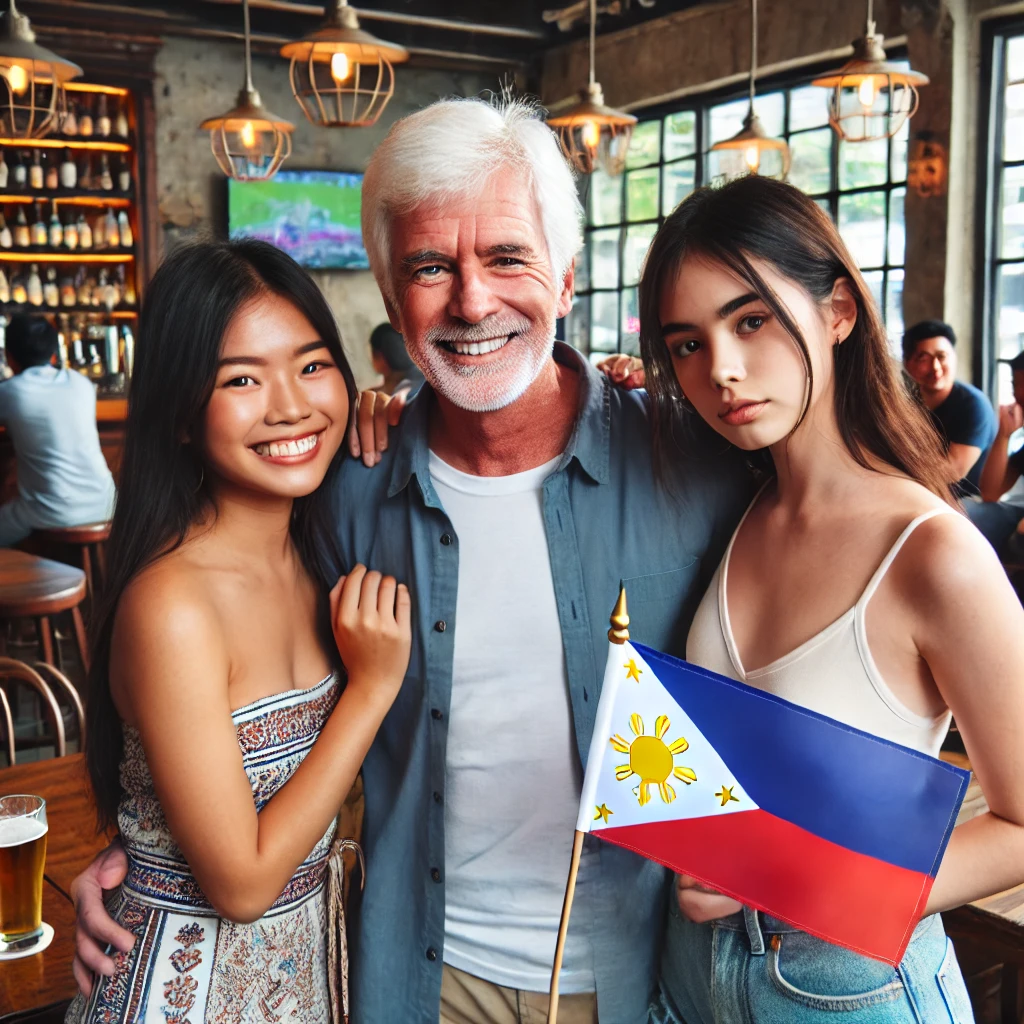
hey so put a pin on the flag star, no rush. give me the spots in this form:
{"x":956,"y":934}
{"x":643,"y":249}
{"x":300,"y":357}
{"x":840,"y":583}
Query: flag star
{"x":632,"y":671}
{"x":725,"y":795}
{"x":603,"y":813}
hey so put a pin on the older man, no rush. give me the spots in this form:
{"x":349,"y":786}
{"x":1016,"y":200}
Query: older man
{"x":516,"y":494}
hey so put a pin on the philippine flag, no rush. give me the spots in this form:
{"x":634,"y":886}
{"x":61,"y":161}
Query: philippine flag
{"x":834,"y":830}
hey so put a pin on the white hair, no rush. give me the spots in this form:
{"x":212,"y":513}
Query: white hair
{"x":447,"y":151}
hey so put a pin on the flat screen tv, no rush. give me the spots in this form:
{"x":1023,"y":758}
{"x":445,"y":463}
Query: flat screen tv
{"x":312,"y":215}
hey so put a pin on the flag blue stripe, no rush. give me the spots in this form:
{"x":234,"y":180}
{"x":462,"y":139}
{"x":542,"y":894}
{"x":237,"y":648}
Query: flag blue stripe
{"x":845,"y":785}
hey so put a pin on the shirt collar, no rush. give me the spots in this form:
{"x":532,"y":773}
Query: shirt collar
{"x":588,"y":445}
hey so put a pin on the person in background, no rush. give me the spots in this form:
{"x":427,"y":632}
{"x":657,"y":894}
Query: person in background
{"x":50,"y":415}
{"x":391,"y":360}
{"x":960,"y":411}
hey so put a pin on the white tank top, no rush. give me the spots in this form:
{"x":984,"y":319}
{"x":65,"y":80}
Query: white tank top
{"x":833,"y":673}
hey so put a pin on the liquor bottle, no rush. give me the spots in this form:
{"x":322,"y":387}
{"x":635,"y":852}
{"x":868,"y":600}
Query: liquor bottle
{"x":71,"y":234}
{"x":18,"y":293}
{"x":6,"y":241}
{"x":84,"y":233}
{"x":77,"y":357}
{"x":35,"y":172}
{"x":51,"y":176}
{"x":20,"y":171}
{"x":5,"y":288}
{"x":84,"y":172}
{"x":96,"y":370}
{"x":69,"y":126}
{"x":128,"y":296}
{"x":83,"y":294}
{"x":68,"y":171}
{"x":34,"y":286}
{"x":62,"y":340}
{"x":105,"y":292}
{"x":51,"y":293}
{"x":127,"y":350}
{"x":39,"y":232}
{"x":68,"y":295}
{"x":124,"y":230}
{"x":111,"y":231}
{"x":4,"y":170}
{"x":85,"y":126}
{"x":102,"y":117}
{"x":95,"y":296}
{"x":22,"y":235}
{"x":56,"y":232}
{"x":106,"y":179}
{"x":121,"y":120}
{"x":124,"y":176}
{"x":116,"y":288}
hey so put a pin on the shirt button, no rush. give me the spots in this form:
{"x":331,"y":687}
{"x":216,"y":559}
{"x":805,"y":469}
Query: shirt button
{"x":440,"y":625}
{"x":435,"y":874}
{"x":446,"y":539}
{"x":437,"y":797}
{"x":431,"y":954}
{"x":435,"y":713}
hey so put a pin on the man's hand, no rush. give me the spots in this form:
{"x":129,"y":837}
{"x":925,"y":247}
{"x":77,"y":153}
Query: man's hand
{"x":1011,"y":418}
{"x":375,"y":412}
{"x":699,"y":904}
{"x":95,"y":928}
{"x":626,"y":372}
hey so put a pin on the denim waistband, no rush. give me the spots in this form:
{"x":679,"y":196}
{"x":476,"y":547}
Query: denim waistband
{"x":757,"y":925}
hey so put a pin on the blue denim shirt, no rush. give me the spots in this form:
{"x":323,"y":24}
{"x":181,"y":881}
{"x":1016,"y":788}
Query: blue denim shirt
{"x":606,"y":520}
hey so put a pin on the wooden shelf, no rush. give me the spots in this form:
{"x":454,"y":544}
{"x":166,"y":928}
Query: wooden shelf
{"x":111,"y":410}
{"x":69,"y":197}
{"x":118,"y":312}
{"x":32,"y":255}
{"x":109,"y":144}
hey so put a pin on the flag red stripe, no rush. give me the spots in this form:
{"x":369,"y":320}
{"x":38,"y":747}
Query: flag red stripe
{"x":790,"y":873}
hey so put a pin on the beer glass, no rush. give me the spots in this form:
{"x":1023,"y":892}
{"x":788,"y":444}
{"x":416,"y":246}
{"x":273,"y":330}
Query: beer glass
{"x":22,"y":855}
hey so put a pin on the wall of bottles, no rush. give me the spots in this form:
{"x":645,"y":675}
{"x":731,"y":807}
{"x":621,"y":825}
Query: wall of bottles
{"x":68,"y":232}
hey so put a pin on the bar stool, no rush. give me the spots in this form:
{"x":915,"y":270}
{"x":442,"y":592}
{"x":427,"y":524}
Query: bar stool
{"x":38,"y":588}
{"x":60,"y":542}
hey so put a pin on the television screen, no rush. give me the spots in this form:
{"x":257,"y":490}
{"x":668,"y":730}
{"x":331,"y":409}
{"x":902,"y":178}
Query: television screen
{"x":312,"y":215}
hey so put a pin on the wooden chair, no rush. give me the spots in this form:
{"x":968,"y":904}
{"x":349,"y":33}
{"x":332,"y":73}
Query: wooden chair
{"x":81,"y":546}
{"x":22,"y":673}
{"x":60,"y":684}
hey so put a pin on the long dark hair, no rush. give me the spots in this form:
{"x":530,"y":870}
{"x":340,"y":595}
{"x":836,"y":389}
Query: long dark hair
{"x":188,"y":306}
{"x":755,"y":218}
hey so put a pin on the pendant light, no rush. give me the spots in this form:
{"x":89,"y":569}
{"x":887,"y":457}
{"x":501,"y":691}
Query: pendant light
{"x":249,"y":143}
{"x":593,"y":135}
{"x":341,"y":75}
{"x":32,"y":95}
{"x":871,"y":97}
{"x":752,"y":140}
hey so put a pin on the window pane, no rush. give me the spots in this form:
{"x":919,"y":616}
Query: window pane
{"x":677,"y":184}
{"x":1010,"y":299}
{"x":873,"y":278}
{"x":604,"y":258}
{"x":642,"y":194}
{"x":727,"y":118}
{"x":605,"y":199}
{"x":897,"y":226}
{"x":1013,"y":213}
{"x":630,"y":322}
{"x":900,"y":142}
{"x":638,"y":241}
{"x":811,"y":152}
{"x":1015,"y":59}
{"x":604,"y":331}
{"x":862,"y":225}
{"x":645,"y":145}
{"x":1013,"y":132}
{"x":577,"y":329}
{"x":680,"y":134}
{"x":894,"y":311}
{"x":826,"y":205}
{"x":863,"y":163}
{"x":808,"y":107}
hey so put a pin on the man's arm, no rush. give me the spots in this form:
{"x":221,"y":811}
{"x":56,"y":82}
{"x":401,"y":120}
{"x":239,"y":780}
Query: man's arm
{"x":998,"y":474}
{"x":960,"y":458}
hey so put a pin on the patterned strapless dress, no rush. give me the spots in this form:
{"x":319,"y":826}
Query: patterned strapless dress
{"x":188,"y":965}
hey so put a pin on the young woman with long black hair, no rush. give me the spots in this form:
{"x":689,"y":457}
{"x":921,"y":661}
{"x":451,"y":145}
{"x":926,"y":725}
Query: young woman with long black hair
{"x":853,"y":586}
{"x":219,"y":736}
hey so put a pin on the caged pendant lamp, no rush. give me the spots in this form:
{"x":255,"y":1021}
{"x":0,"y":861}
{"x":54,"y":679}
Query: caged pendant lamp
{"x":249,"y":143}
{"x":752,"y":141}
{"x":341,"y":75}
{"x":871,"y":97}
{"x":32,"y":100}
{"x":593,"y":135}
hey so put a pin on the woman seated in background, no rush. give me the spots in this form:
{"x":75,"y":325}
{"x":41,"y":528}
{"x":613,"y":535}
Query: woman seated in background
{"x":220,"y":738}
{"x":853,"y":586}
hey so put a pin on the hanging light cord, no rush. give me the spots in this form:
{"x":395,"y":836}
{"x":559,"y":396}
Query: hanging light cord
{"x":593,"y":31}
{"x":753,"y":49}
{"x":248,"y":55}
{"x":871,"y":19}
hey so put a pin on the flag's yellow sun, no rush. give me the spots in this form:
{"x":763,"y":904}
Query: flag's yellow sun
{"x":652,"y":759}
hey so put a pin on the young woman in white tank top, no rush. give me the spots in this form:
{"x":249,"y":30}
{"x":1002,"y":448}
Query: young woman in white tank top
{"x":851,"y":586}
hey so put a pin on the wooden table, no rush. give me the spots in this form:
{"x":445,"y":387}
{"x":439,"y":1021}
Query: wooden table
{"x":71,"y":844}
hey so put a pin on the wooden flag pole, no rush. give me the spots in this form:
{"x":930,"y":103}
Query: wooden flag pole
{"x":618,"y":634}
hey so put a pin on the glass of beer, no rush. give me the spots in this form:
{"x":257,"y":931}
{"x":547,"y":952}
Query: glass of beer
{"x":22,"y":855}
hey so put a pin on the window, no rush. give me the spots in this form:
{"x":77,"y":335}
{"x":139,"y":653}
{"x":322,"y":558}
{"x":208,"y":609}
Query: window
{"x":1002,"y":312}
{"x":861,"y":185}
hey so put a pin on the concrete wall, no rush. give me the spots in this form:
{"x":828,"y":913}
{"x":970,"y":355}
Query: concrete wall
{"x":197,"y":79}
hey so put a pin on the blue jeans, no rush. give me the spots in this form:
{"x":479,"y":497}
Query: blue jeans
{"x":754,"y":969}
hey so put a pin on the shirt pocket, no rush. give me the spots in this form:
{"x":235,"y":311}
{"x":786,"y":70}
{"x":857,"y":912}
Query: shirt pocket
{"x":661,"y":606}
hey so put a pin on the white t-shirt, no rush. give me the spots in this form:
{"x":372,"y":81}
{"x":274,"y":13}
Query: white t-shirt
{"x":512,"y":774}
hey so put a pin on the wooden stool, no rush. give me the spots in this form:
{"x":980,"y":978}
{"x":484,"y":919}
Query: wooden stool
{"x":37,"y":588}
{"x":87,"y":538}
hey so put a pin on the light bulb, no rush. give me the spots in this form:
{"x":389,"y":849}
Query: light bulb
{"x":340,"y":67}
{"x":752,"y":157}
{"x":591,"y":134}
{"x":866,"y":93}
{"x":248,"y":134}
{"x":17,"y":79}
